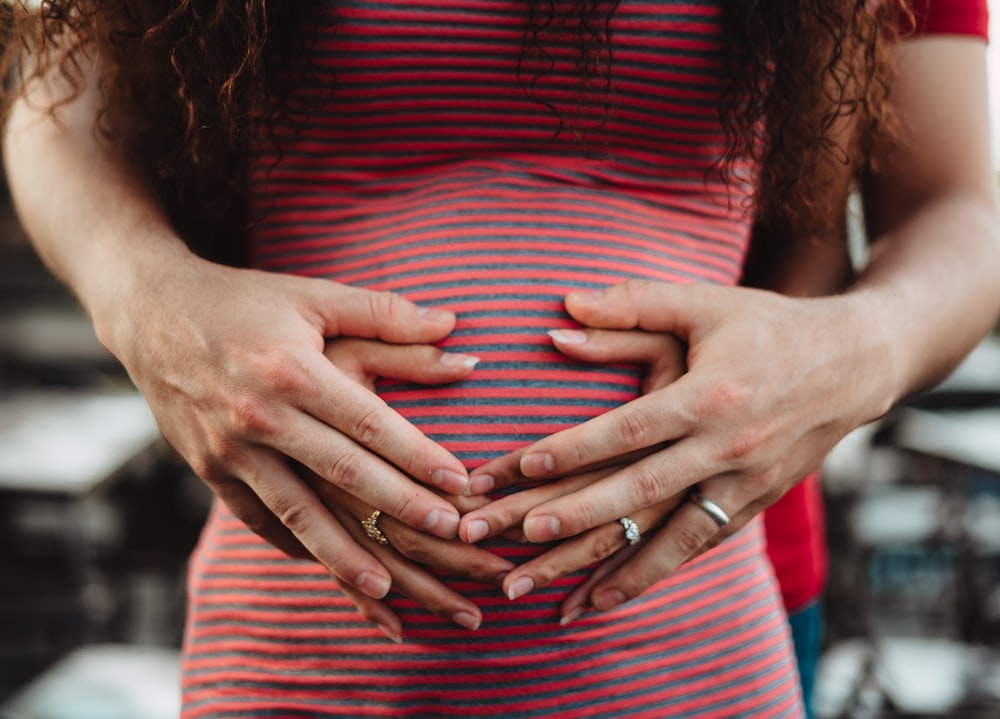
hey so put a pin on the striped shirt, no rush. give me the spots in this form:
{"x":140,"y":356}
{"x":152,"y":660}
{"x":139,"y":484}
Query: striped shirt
{"x":433,"y":174}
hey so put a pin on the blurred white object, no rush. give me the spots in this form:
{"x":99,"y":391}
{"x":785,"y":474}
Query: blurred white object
{"x":69,"y":442}
{"x":855,"y":463}
{"x":969,"y":437}
{"x":104,"y":682}
{"x":898,"y":516}
{"x":923,"y":676}
{"x":919,"y":676}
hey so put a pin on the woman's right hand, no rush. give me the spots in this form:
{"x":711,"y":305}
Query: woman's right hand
{"x":231,"y":362}
{"x":409,"y":554}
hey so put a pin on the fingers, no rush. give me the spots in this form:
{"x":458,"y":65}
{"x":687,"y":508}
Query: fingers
{"x":344,"y":310}
{"x":407,"y":550}
{"x":287,"y":497}
{"x":494,"y":518}
{"x":640,"y":424}
{"x":368,"y":477}
{"x":367,"y":360}
{"x":689,"y":532}
{"x":633,"y":346}
{"x":656,"y":478}
{"x":652,"y":306}
{"x":579,"y":552}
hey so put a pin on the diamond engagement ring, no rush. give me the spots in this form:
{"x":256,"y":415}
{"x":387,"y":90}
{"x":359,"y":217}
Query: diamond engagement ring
{"x":710,"y":508}
{"x":631,"y":530}
{"x":370,"y":524}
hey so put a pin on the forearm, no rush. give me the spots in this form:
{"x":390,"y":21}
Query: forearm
{"x":930,"y":292}
{"x":94,"y":222}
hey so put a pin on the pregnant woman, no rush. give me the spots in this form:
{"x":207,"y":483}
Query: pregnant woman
{"x":478,"y":175}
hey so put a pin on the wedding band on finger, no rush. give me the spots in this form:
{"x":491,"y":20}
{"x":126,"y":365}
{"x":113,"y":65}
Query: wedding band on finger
{"x":710,"y":508}
{"x":631,"y":530}
{"x":370,"y":524}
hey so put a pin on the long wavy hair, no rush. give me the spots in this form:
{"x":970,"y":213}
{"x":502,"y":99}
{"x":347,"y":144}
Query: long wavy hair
{"x":187,"y":81}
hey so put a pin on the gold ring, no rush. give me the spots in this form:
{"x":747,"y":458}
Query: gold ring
{"x":370,"y":524}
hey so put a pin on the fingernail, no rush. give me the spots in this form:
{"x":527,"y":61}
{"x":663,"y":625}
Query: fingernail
{"x":537,"y":463}
{"x":449,"y":480}
{"x":572,"y":615}
{"x":541,"y":529}
{"x":432,"y":314}
{"x":454,"y":359}
{"x":445,"y":523}
{"x":394,"y":636}
{"x":584,"y":296}
{"x":481,"y":484}
{"x":520,"y":587}
{"x":568,"y":337}
{"x":374,"y":585}
{"x":500,"y":578}
{"x":466,"y":619}
{"x":609,"y":599}
{"x":478,"y":528}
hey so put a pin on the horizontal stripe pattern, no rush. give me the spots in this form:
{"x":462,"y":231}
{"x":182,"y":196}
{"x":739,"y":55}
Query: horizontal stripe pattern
{"x":432,"y":174}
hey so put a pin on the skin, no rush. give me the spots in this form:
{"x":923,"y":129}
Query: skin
{"x":232,"y":364}
{"x":774,"y":382}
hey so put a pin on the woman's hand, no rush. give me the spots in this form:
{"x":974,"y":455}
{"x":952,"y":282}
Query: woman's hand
{"x":231,"y":362}
{"x":772,"y":384}
{"x":661,"y":357}
{"x":409,"y":552}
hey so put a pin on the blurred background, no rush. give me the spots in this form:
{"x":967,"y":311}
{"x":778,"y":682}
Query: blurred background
{"x":97,"y":518}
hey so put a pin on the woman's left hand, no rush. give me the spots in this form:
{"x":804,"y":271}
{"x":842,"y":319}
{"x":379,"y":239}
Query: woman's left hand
{"x":772,"y":384}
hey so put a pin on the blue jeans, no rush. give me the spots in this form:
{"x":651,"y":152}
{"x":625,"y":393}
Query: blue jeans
{"x":807,"y":632}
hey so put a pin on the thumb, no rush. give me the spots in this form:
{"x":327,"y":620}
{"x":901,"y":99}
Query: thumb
{"x":356,"y":312}
{"x":642,"y":304}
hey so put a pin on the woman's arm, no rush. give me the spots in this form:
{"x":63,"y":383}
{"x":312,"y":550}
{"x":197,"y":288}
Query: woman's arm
{"x":231,"y":361}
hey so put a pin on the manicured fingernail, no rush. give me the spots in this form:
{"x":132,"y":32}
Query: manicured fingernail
{"x":449,"y":480}
{"x":537,"y":464}
{"x":394,"y":636}
{"x":568,"y":337}
{"x":478,"y":528}
{"x":445,"y":523}
{"x":541,"y":529}
{"x":454,"y":359}
{"x":520,"y":587}
{"x":374,"y":585}
{"x":466,"y":619}
{"x":572,"y":615}
{"x":432,"y":314}
{"x":609,"y":599}
{"x":481,"y":484}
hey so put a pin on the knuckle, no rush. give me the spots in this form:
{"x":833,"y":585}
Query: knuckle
{"x":344,"y":470}
{"x":384,"y":306}
{"x":281,"y":374}
{"x":366,"y":428}
{"x":604,"y":546}
{"x":726,"y":396}
{"x":249,"y":416}
{"x":644,"y":488}
{"x":741,"y":445}
{"x":632,"y":429}
{"x":687,"y":539}
{"x":295,"y":516}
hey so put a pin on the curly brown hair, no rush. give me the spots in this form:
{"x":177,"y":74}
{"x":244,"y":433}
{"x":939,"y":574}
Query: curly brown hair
{"x":806,"y":101}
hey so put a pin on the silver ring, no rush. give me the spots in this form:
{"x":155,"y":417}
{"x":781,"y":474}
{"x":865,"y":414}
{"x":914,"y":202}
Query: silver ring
{"x":370,"y":523}
{"x":631,"y":530}
{"x":710,"y":508}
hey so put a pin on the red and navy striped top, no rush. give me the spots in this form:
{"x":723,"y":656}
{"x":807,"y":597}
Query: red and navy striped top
{"x":434,"y":174}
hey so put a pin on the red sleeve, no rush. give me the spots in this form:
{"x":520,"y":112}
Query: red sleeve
{"x":952,"y":17}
